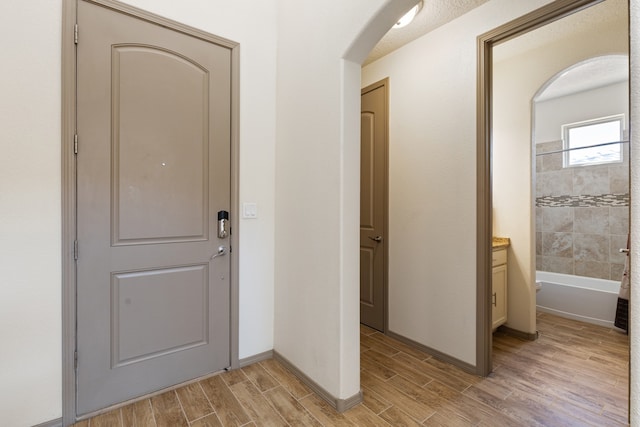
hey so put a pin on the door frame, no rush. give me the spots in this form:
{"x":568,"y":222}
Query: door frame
{"x":68,"y":187}
{"x":385,"y":226}
{"x":485,"y":42}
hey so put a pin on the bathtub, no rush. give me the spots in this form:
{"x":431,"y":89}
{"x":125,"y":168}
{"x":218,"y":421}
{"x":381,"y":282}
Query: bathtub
{"x":581,"y":298}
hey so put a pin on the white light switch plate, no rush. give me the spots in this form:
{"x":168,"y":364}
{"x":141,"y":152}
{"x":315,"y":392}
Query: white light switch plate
{"x":250,"y":210}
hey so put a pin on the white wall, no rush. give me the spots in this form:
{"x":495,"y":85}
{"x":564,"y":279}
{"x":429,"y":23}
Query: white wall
{"x":30,"y":258}
{"x":317,"y":184}
{"x":551,"y":114}
{"x":432,"y":180}
{"x":516,"y":81}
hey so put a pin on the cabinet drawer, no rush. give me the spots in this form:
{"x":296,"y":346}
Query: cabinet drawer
{"x":499,"y":257}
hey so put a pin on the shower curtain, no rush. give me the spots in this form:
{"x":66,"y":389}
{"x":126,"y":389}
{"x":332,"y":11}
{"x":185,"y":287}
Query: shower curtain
{"x":622,"y":310}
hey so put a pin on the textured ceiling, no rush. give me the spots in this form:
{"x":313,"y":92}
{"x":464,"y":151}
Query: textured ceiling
{"x":433,"y":14}
{"x":597,"y":72}
{"x":594,"y":73}
{"x":608,"y":14}
{"x":591,"y":74}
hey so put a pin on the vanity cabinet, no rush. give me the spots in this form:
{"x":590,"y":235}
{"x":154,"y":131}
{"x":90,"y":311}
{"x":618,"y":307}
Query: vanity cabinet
{"x":499,"y":287}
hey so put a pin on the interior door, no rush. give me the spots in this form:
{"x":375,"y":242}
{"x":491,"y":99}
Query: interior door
{"x":373,"y":205}
{"x":153,"y":170}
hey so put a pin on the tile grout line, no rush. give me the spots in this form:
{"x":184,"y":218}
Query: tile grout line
{"x":184,"y":413}
{"x":256,"y":383}
{"x":210,"y":404}
{"x":306,"y":410}
{"x":153,"y":412}
{"x":262,"y":394}
{"x":244,"y":408}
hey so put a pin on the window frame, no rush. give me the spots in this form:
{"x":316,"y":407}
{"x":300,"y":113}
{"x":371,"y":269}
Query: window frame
{"x":566,"y":147}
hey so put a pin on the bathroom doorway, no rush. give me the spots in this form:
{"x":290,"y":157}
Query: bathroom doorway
{"x":521,"y":67}
{"x":516,"y":60}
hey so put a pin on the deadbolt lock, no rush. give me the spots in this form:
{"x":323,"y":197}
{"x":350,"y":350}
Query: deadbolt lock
{"x":223,"y":224}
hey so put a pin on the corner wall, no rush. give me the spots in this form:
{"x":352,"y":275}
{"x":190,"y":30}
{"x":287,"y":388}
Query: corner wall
{"x":432,"y":174}
{"x":317,"y":184}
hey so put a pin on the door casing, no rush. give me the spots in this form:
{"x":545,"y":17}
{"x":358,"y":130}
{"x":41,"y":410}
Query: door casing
{"x":68,"y":232}
{"x":531,"y":21}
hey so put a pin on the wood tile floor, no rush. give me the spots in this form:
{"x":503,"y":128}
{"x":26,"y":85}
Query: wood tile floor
{"x":575,"y":374}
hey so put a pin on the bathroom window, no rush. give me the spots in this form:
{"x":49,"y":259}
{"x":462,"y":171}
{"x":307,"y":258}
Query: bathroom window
{"x":600,"y":139}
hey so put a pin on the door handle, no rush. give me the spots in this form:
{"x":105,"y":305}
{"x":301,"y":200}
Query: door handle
{"x":376,"y":239}
{"x":222,"y":250}
{"x":624,"y":251}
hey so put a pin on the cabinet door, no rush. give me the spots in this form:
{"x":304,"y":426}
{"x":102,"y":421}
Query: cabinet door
{"x":499,"y":295}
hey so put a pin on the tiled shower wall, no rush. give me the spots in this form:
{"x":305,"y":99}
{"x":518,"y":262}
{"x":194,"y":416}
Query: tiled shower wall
{"x":582,"y":215}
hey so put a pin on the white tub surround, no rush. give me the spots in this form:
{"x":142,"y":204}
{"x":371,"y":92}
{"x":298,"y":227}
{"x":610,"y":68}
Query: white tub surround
{"x":581,"y":298}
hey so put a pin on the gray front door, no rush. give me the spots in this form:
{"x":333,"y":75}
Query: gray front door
{"x":153,"y":170}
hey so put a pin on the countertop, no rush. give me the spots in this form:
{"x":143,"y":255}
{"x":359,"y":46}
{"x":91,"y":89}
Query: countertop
{"x":500,"y":242}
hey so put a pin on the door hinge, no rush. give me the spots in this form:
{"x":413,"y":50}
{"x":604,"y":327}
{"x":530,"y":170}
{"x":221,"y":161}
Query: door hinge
{"x":75,"y":359}
{"x":75,"y":250}
{"x":75,"y":34}
{"x":75,"y":144}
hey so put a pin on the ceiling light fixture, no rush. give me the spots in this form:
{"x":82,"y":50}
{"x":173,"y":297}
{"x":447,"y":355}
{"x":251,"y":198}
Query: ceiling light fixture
{"x":408,"y":17}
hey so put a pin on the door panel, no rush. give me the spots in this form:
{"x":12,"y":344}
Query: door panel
{"x":153,"y":169}
{"x":144,"y":304}
{"x":149,"y":174}
{"x":373,"y":205}
{"x":367,"y":288}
